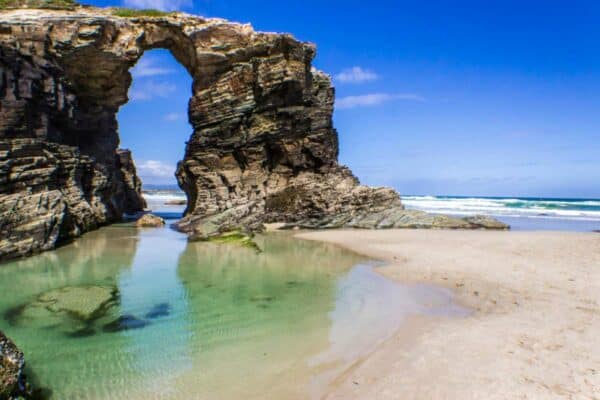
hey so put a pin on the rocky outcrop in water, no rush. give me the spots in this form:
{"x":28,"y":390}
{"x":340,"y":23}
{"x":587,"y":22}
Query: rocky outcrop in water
{"x":150,"y":221}
{"x":12,"y":363}
{"x":263,"y":146}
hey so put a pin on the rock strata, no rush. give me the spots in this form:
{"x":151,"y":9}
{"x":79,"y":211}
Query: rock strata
{"x":132,"y":184}
{"x":12,"y":363}
{"x":263,"y":147}
{"x":398,"y":218}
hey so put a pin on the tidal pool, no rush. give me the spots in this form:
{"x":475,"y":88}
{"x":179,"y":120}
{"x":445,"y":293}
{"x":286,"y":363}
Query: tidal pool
{"x":160,"y":318}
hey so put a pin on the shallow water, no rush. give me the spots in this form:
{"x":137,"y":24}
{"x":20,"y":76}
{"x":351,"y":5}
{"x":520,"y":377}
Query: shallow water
{"x":206,"y":321}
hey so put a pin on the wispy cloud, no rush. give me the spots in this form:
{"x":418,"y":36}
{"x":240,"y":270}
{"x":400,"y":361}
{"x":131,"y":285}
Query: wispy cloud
{"x":173,"y":117}
{"x":150,"y":90}
{"x":356,"y":75}
{"x":373,"y":99}
{"x":164,"y":5}
{"x":149,"y":67}
{"x":154,"y":169}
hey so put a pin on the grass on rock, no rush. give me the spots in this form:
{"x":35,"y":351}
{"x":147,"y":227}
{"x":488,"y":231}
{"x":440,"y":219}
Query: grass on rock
{"x":51,"y":4}
{"x":132,"y":12}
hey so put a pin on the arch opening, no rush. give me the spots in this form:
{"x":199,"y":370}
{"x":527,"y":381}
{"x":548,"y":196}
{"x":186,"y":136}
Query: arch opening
{"x":154,"y":126}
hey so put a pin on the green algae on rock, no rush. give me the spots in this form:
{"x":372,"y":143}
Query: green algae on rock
{"x":236,"y":237}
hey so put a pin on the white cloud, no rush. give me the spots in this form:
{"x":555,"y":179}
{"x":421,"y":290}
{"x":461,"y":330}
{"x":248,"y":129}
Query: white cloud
{"x":148,"y":67}
{"x":173,"y":117}
{"x":356,"y":75}
{"x":153,"y":169}
{"x":164,"y":5}
{"x":150,"y":90}
{"x":373,"y":99}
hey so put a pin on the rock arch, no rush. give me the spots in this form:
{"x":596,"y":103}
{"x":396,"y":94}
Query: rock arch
{"x":263,"y":147}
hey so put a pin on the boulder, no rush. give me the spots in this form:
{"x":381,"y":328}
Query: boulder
{"x":12,"y":363}
{"x":150,"y":221}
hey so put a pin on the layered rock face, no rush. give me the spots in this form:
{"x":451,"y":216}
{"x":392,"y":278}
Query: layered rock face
{"x":263,"y":146}
{"x":132,"y":184}
{"x":261,"y":124}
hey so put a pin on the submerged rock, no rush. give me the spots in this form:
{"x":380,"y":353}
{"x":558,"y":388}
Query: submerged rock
{"x":124,"y":323}
{"x":82,"y":303}
{"x":235,"y":237}
{"x":150,"y":221}
{"x":84,"y":332}
{"x":12,"y":363}
{"x":159,"y":310}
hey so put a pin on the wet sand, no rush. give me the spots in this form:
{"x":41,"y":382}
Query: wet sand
{"x":534,"y":332}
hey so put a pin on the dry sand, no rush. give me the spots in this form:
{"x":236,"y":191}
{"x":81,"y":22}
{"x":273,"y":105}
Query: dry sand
{"x":535,"y":332}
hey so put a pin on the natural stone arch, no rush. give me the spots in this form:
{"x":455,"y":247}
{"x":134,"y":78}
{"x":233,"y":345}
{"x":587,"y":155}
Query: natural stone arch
{"x":263,"y":146}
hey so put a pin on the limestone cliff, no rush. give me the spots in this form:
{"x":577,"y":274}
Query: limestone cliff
{"x":263,"y":146}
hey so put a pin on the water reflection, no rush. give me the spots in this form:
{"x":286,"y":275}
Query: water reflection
{"x":200,"y":320}
{"x":258,"y":317}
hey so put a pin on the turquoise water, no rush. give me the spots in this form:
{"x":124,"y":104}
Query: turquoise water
{"x":199,"y":321}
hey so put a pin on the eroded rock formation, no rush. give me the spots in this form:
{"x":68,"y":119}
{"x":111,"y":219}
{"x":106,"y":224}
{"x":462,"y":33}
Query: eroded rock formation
{"x":132,"y":183}
{"x":263,"y":147}
{"x":12,"y":363}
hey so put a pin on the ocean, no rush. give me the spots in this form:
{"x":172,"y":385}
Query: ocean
{"x":522,"y":213}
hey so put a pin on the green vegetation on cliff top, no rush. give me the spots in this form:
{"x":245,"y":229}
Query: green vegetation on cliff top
{"x":71,"y":4}
{"x":132,"y":12}
{"x":52,"y":4}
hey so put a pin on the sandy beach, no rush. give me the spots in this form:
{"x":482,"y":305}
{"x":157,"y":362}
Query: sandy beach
{"x":534,"y":332}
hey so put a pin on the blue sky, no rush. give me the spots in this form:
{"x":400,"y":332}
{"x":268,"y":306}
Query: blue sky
{"x":433,"y":97}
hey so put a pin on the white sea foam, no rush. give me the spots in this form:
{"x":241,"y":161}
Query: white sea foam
{"x":584,"y":210}
{"x":508,"y":207}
